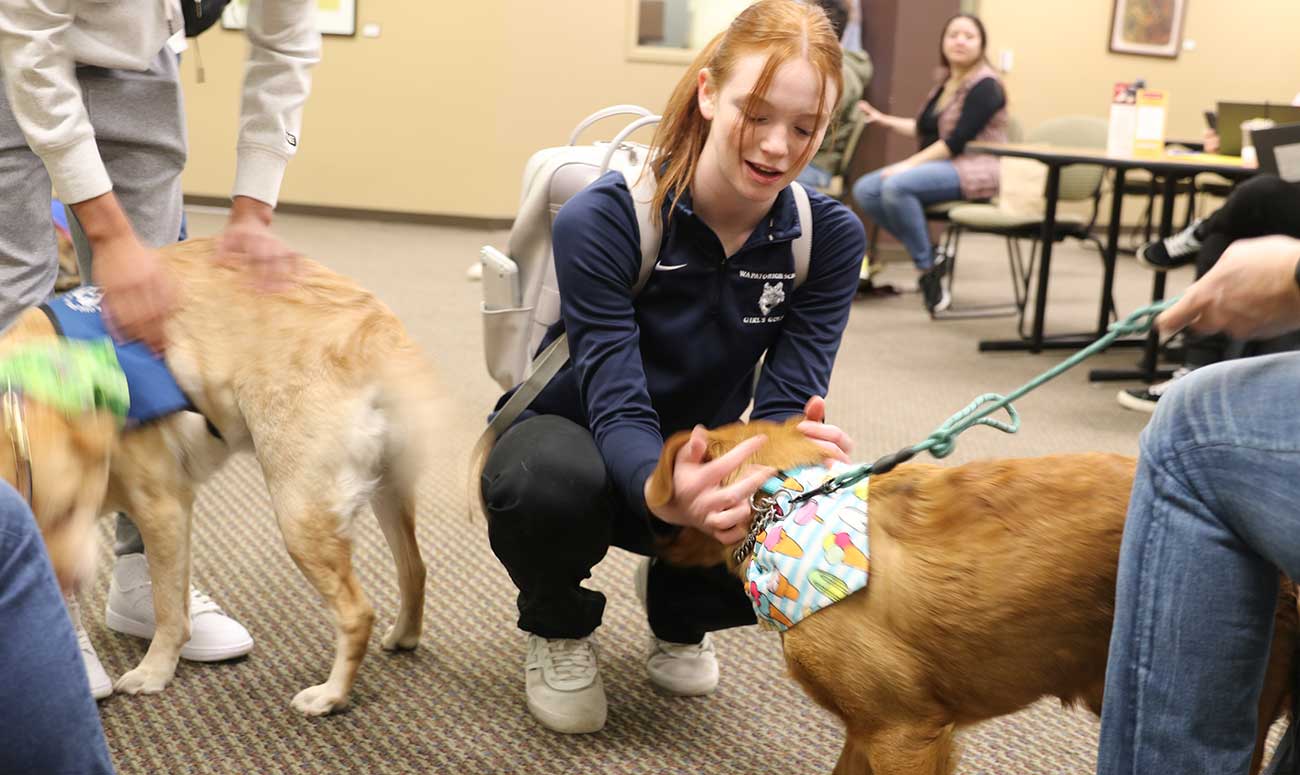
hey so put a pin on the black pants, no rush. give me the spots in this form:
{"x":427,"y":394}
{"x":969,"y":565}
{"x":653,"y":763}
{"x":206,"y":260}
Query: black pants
{"x":1261,"y":206}
{"x":553,"y":514}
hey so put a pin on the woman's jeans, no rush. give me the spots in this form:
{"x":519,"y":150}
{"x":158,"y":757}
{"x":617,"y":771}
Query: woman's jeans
{"x":815,"y":176}
{"x":1215,"y":513}
{"x":49,"y":720}
{"x":897,"y":203}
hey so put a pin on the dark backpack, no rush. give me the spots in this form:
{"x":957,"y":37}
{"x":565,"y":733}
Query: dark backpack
{"x":201,"y":14}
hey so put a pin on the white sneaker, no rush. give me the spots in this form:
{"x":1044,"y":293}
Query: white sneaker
{"x":684,"y":669}
{"x":213,"y":635}
{"x":562,"y":681}
{"x":100,"y":684}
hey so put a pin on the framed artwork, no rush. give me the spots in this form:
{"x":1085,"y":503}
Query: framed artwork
{"x":1147,"y":27}
{"x":333,"y":17}
{"x":674,"y":31}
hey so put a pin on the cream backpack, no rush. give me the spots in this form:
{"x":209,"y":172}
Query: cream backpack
{"x":521,"y":298}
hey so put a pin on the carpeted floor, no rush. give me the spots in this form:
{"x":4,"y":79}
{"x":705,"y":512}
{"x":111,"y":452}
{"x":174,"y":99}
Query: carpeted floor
{"x":456,"y":704}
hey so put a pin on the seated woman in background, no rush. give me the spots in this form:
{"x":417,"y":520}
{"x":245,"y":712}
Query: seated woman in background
{"x":968,"y":104}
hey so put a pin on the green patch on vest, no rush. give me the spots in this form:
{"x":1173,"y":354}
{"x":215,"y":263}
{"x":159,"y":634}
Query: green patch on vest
{"x":71,"y":376}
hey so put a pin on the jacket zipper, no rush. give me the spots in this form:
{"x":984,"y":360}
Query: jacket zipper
{"x":717,"y":287}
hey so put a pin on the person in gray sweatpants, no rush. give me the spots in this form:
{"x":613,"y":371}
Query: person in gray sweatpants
{"x":140,"y":130}
{"x":92,"y":108}
{"x":139,"y":127}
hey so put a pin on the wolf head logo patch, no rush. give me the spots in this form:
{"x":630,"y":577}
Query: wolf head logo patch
{"x":773,"y":294}
{"x":84,"y":299}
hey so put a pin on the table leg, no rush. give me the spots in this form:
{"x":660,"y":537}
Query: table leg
{"x":1035,"y":342}
{"x":1112,"y":251}
{"x":1147,"y":370}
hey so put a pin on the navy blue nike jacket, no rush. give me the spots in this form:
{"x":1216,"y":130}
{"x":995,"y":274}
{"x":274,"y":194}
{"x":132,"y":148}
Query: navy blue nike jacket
{"x":683,"y":351}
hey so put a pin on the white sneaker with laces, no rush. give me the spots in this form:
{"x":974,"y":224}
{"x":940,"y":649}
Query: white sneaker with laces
{"x":214,"y":636}
{"x":101,"y":685}
{"x":684,"y":669}
{"x":562,"y":682}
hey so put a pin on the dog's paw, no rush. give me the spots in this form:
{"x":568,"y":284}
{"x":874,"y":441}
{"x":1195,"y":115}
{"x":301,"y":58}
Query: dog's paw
{"x":319,"y":700}
{"x":143,"y":681}
{"x":400,"y":640}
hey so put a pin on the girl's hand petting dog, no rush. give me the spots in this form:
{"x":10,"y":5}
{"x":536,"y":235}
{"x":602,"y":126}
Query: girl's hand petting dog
{"x":837,"y":443}
{"x":700,"y":499}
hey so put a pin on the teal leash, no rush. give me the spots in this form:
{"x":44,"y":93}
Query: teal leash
{"x":941,"y":443}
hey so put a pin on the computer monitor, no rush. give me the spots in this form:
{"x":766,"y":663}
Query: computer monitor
{"x":1232,"y":114}
{"x":1279,"y":151}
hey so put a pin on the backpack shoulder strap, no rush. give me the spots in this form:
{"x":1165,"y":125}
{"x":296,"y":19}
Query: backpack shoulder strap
{"x":549,"y":361}
{"x":543,"y":367}
{"x":642,"y":188}
{"x":641,"y":184}
{"x":802,"y":245}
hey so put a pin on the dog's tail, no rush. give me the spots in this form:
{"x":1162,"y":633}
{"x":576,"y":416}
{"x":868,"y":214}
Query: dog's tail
{"x":416,"y":412}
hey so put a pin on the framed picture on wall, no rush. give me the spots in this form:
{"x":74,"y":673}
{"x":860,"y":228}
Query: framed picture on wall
{"x":1147,"y":27}
{"x":333,"y":17}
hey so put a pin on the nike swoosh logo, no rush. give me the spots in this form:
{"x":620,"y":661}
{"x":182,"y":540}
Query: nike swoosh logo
{"x":662,"y":267}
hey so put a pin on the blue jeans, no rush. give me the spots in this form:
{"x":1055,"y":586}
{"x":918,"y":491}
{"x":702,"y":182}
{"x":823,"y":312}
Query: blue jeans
{"x":49,"y":719}
{"x":898,"y":203}
{"x":1212,"y":519}
{"x":814,"y":177}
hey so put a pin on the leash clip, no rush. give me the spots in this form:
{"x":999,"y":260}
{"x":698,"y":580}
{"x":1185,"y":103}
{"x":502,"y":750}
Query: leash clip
{"x":768,"y":508}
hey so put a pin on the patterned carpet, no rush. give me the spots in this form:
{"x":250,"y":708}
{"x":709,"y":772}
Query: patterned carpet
{"x":456,"y":705}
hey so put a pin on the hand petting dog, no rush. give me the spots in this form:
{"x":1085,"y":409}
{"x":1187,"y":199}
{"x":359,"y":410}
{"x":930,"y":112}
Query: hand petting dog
{"x":247,"y":242}
{"x":699,"y":499}
{"x":836,"y":441}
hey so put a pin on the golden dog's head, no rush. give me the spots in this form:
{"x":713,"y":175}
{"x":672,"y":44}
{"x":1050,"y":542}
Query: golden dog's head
{"x":786,"y":448}
{"x":69,"y":458}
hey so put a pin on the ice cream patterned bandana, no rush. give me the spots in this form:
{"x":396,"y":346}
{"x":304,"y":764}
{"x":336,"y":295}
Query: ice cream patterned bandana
{"x":815,"y":556}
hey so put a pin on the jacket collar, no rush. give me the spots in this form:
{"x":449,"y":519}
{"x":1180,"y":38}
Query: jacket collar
{"x":780,"y":224}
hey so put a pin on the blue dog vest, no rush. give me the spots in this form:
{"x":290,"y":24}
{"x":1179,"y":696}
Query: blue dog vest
{"x":154,"y":391}
{"x":813,"y":557}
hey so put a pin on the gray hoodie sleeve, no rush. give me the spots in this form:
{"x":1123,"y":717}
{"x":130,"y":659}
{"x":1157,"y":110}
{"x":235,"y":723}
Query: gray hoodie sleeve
{"x":283,"y":46}
{"x":41,"y":85}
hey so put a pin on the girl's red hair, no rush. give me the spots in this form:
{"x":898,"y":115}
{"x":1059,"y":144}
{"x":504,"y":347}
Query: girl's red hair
{"x":781,"y":29}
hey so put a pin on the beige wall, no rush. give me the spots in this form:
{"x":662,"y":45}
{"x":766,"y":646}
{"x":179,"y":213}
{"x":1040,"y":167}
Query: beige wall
{"x":1244,"y":50}
{"x":439,"y":113}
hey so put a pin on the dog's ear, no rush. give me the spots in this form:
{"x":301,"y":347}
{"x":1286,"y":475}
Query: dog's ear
{"x":660,"y":490}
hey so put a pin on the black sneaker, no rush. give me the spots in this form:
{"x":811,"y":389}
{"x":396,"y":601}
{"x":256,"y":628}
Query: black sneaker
{"x":1144,"y":399}
{"x":933,"y":290}
{"x":1171,"y":252}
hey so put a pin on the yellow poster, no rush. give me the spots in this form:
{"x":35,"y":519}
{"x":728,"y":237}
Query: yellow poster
{"x":1149,"y":129}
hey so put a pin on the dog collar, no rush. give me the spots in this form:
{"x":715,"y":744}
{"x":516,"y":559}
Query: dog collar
{"x":16,"y":428}
{"x":770,"y":503}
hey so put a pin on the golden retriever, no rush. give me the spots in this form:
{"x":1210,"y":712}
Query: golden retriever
{"x":340,"y":407}
{"x":67,"y":485}
{"x":992,"y":585}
